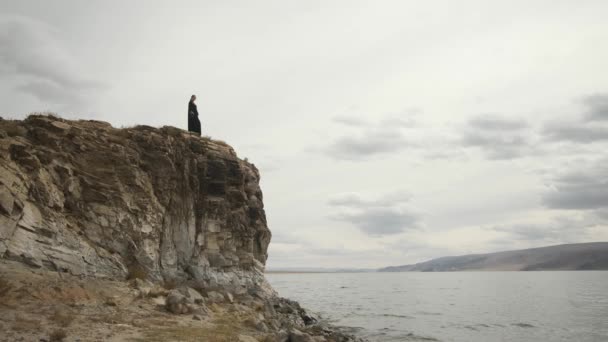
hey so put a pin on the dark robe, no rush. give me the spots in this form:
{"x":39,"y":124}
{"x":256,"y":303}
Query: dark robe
{"x":194,"y":124}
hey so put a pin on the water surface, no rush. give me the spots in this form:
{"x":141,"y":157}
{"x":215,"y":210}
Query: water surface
{"x":463,"y":306}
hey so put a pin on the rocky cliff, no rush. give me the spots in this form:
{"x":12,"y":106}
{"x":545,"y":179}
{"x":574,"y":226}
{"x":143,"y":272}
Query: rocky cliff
{"x":85,"y":198}
{"x":85,"y":206}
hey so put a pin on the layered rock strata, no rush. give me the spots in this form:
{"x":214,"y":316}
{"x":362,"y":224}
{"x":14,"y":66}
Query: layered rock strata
{"x":85,"y":198}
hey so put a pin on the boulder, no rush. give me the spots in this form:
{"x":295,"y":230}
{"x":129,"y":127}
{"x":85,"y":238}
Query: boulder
{"x":192,"y":295}
{"x":215,"y":297}
{"x":185,"y":300}
{"x":257,"y":324}
{"x":298,"y":336}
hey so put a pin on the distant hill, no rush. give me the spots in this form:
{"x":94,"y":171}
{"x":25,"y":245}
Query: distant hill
{"x":580,"y":256}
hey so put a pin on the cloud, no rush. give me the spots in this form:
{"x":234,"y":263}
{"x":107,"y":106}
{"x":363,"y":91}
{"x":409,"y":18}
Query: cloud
{"x":387,"y":215}
{"x":41,"y":66}
{"x":355,"y":200}
{"x":597,"y":107}
{"x":494,"y":123}
{"x":585,"y":188}
{"x":587,"y":129}
{"x":349,"y":121}
{"x":561,"y":229}
{"x":558,"y":230}
{"x":372,"y":142}
{"x":575,"y":132}
{"x":285,"y":238}
{"x":369,"y":139}
{"x":498,"y":138}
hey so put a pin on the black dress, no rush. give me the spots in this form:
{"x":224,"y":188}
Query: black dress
{"x":194,"y":124}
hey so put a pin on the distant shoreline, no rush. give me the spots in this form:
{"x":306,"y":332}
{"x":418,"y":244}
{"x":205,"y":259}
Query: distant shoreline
{"x":456,"y":271}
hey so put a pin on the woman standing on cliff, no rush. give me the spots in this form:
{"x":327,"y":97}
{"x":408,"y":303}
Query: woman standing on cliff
{"x":194,"y":124}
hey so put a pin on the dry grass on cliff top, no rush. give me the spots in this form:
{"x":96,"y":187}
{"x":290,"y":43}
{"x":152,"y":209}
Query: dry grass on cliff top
{"x":15,"y":128}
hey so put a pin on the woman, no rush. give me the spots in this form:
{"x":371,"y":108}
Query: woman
{"x":194,"y":124}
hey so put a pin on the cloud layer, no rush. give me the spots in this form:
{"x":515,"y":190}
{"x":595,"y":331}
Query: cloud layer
{"x":597,"y":107}
{"x":497,"y":137}
{"x":387,"y":215}
{"x":584,"y":188}
{"x":31,"y":53}
{"x":367,"y":140}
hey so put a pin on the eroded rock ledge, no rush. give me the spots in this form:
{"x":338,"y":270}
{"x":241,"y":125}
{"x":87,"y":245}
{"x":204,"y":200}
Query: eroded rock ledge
{"x":89,"y":199}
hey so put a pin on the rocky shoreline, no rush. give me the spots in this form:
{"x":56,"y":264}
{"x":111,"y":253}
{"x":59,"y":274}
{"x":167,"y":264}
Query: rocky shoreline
{"x":43,"y":305}
{"x":135,"y":234}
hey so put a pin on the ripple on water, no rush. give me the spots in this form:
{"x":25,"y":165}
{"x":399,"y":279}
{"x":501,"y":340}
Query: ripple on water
{"x":414,"y":337}
{"x":428,"y":313}
{"x":396,"y":316}
{"x":388,"y":334}
{"x":477,"y":327}
{"x":523,"y":325}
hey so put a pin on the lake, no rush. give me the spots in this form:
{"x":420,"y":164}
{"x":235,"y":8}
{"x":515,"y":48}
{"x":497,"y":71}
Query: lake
{"x":458,"y":306}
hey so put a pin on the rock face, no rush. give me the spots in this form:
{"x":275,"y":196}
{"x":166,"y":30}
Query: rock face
{"x":89,"y":199}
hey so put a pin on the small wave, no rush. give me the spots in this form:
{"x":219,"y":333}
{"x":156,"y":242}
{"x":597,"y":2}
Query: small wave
{"x":350,"y":330}
{"x":523,"y":325}
{"x":387,"y":334}
{"x":428,"y":313}
{"x":414,"y":337}
{"x":476,"y":327}
{"x":396,"y":315}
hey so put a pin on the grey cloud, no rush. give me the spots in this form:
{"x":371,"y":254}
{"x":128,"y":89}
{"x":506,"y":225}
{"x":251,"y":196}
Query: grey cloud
{"x":384,"y":216}
{"x":531,"y":232}
{"x":370,"y":143}
{"x":584,"y":189}
{"x":396,"y":121}
{"x":587,"y":129}
{"x":45,"y":90}
{"x":30,"y":53}
{"x":575,"y":132}
{"x":559,"y":230}
{"x":597,"y":107}
{"x":351,"y":199}
{"x":285,"y":238}
{"x":498,"y":138}
{"x":403,"y":119}
{"x":381,"y":221}
{"x":356,"y":200}
{"x":369,"y":140}
{"x":495,"y":123}
{"x":349,"y":121}
{"x":602,"y":214}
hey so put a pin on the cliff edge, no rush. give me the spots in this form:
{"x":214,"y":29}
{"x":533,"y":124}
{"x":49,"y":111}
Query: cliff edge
{"x":89,"y":199}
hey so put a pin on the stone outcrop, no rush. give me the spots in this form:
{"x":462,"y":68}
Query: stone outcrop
{"x":87,"y":206}
{"x":85,"y":198}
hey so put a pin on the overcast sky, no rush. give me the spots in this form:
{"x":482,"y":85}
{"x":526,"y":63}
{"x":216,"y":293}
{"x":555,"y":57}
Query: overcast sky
{"x":386,"y":132}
